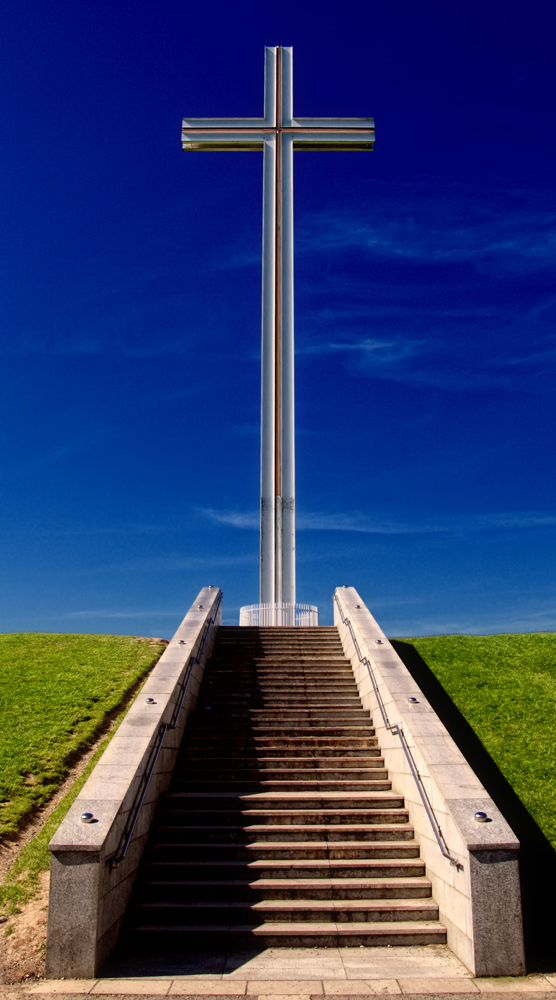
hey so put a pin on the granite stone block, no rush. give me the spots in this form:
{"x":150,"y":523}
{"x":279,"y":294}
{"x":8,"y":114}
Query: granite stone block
{"x":88,"y":898}
{"x":455,"y":793}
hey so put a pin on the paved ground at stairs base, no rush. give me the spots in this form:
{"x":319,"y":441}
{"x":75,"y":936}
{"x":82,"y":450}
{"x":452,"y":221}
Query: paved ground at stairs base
{"x":284,"y":974}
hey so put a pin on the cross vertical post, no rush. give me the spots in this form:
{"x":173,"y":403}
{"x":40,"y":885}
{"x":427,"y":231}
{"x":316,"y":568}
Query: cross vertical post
{"x":277,"y":406}
{"x":278,"y":134}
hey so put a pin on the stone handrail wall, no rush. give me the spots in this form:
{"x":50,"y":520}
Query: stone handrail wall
{"x":480,"y":898}
{"x":88,"y":898}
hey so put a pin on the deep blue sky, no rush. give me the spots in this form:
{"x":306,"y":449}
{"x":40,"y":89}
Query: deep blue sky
{"x":425,"y":312}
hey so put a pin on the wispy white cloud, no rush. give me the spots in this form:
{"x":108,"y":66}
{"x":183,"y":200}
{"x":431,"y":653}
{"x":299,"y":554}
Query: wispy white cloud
{"x":368,"y":349}
{"x":510,"y":622}
{"x":449,"y":227}
{"x":171,"y":564}
{"x":235,"y":518}
{"x":236,"y":259}
{"x":126,"y":529}
{"x":135,"y":327}
{"x":111,"y":613}
{"x":535,"y":358}
{"x":362,"y":523}
{"x":55,"y":454}
{"x":435,"y":361}
{"x":359,"y":522}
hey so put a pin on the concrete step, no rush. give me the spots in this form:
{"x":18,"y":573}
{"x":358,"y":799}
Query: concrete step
{"x":320,"y":752}
{"x":179,"y":810}
{"x":281,"y":817}
{"x":294,"y":868}
{"x":278,"y":745}
{"x":245,"y":772}
{"x":305,"y":911}
{"x":287,"y":731}
{"x":321,"y":696}
{"x":324,"y":689}
{"x":304,"y":935}
{"x":294,"y":714}
{"x":287,"y":889}
{"x":330,"y":697}
{"x":304,"y":671}
{"x":291,"y":732}
{"x":287,"y":834}
{"x":290,"y":658}
{"x":293,"y":800}
{"x":191,"y":751}
{"x":241,"y":785}
{"x":274,"y":719}
{"x":308,"y":701}
{"x":317,"y":666}
{"x":304,"y":742}
{"x":329,"y":764}
{"x":302,"y":850}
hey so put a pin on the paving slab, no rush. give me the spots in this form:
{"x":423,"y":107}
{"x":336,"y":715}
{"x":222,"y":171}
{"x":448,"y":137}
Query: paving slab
{"x":281,"y":996}
{"x":287,"y":964}
{"x":434,"y":986}
{"x":424,"y":962}
{"x":359,"y":987}
{"x":304,"y":989}
{"x":208,"y":987}
{"x":131,"y":987}
{"x":513,"y":984}
{"x":59,"y":987}
{"x":284,"y":987}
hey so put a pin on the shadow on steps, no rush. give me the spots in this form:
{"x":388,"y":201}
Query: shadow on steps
{"x":537,"y":857}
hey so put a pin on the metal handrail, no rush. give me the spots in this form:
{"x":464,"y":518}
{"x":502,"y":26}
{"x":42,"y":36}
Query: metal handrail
{"x":127,"y":834}
{"x":397,"y":730}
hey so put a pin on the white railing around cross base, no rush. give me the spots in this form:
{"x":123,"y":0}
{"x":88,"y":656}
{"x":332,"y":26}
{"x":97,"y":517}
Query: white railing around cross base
{"x":259,"y":615}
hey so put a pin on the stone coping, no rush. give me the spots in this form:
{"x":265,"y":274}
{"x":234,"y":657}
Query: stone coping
{"x":110,"y":790}
{"x":232,"y":985}
{"x":475,"y":874}
{"x":454,"y":778}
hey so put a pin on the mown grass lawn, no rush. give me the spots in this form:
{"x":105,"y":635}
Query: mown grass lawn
{"x":505,"y":687}
{"x":56,"y":692}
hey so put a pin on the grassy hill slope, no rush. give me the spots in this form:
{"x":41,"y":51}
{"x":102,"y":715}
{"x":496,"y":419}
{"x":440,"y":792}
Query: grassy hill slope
{"x":496,"y":694}
{"x":56,"y":692}
{"x":505,"y":688}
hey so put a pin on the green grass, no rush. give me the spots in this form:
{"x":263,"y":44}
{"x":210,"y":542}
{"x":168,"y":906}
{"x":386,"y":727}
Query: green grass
{"x":505,"y":687}
{"x":22,"y":880}
{"x":56,"y":693}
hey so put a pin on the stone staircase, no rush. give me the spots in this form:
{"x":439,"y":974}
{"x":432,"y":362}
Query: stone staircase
{"x":280,"y":826}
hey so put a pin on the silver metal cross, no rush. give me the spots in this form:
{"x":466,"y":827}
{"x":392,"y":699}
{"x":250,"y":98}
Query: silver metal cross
{"x":278,"y":134}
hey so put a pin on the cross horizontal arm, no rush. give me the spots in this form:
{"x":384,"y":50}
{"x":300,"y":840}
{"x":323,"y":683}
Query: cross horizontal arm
{"x":222,"y":139}
{"x":333,"y":123}
{"x":235,"y":123}
{"x":250,"y":133}
{"x":326,"y":137}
